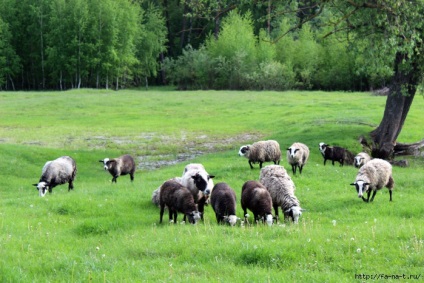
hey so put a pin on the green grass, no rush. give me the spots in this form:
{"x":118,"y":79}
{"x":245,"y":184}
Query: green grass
{"x":103,"y":232}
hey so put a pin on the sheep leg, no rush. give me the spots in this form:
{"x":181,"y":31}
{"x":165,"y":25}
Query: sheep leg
{"x":256,"y":218}
{"x":260,"y":165}
{"x":364,"y":199}
{"x":373,"y":195}
{"x":114,"y":179}
{"x":132,"y":177}
{"x":175,"y":216}
{"x":201,"y":208}
{"x":294,"y":169}
{"x":390,"y":192}
{"x":71,"y":186}
{"x":300,"y":169}
{"x":276,"y":212}
{"x":244,"y":214}
{"x":162,"y":209}
{"x":250,"y":163}
{"x":368,"y":195}
{"x":218,"y":219}
{"x":171,"y":213}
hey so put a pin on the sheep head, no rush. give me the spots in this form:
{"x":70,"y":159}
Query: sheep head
{"x":294,"y":213}
{"x":361,"y":187}
{"x":42,"y":188}
{"x":244,"y":150}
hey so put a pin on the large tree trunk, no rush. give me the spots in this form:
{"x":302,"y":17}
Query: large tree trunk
{"x":402,"y":91}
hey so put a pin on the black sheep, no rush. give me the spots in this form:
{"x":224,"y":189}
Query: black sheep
{"x":223,"y":201}
{"x":178,"y":199}
{"x":255,"y":197}
{"x":336,"y":153}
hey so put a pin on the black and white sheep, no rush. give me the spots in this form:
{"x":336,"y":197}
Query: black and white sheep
{"x":361,"y":158}
{"x":282,"y":189}
{"x":336,"y":153}
{"x":373,"y":176}
{"x":178,"y":199}
{"x":261,"y":151}
{"x":120,"y":166}
{"x":256,"y":198}
{"x":199,"y":182}
{"x":57,"y":172}
{"x":297,"y":156}
{"x":223,"y":202}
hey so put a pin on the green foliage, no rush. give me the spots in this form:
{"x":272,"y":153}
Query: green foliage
{"x":110,"y":232}
{"x":70,"y":44}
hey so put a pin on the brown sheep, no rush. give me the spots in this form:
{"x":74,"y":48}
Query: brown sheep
{"x":255,"y":197}
{"x":178,"y":199}
{"x":120,"y":166}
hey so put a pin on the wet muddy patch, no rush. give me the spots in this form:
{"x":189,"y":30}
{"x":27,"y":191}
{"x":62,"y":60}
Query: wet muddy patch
{"x":154,"y":150}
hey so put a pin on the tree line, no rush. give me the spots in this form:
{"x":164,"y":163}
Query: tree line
{"x":193,"y":44}
{"x":62,"y":44}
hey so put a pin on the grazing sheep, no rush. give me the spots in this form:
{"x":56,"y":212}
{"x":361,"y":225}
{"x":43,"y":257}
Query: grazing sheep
{"x":297,"y":156}
{"x":281,"y":188}
{"x":197,"y":180}
{"x":120,"y":166}
{"x":156,"y":193}
{"x":361,"y":158}
{"x":178,"y":199}
{"x":336,"y":153}
{"x":261,"y":151}
{"x":256,"y":198}
{"x":373,"y":176}
{"x":223,"y":201}
{"x":57,"y":172}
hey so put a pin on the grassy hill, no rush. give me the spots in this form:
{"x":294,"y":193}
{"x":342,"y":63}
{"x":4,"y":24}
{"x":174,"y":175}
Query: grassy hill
{"x":104,"y":232}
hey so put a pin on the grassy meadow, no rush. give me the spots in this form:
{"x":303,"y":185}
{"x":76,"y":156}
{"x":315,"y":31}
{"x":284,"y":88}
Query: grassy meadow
{"x":104,"y":232}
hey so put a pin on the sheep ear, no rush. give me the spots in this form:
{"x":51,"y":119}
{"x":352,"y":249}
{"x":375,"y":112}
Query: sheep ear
{"x":101,"y":161}
{"x":288,"y":210}
{"x":303,"y":209}
{"x":366,"y":184}
{"x":211,"y":176}
{"x":353,"y":184}
{"x":288,"y":148}
{"x":35,"y":185}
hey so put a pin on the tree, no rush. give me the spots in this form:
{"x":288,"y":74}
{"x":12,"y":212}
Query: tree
{"x":394,"y":32}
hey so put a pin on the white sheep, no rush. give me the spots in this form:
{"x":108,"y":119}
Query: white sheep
{"x":297,"y":156}
{"x":261,"y":151}
{"x":57,"y":172}
{"x":281,"y":188}
{"x":373,"y":176}
{"x":361,"y":158}
{"x":199,"y":182}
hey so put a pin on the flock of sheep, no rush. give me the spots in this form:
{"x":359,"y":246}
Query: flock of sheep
{"x":275,"y":189}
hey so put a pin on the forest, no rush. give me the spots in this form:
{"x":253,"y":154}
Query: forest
{"x":255,"y":45}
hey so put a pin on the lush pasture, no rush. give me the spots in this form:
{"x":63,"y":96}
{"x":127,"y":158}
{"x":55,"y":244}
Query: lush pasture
{"x":103,"y":232}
